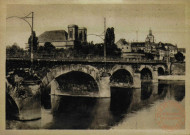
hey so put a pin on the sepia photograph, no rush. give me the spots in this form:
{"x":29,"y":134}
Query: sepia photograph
{"x":95,"y":66}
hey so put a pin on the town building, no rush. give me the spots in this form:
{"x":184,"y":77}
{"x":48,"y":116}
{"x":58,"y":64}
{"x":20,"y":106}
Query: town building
{"x":123,"y":45}
{"x":171,"y":49}
{"x":166,"y":50}
{"x":138,"y":47}
{"x":160,"y":51}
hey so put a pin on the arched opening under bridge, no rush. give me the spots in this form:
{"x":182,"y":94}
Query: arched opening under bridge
{"x":161,"y":71}
{"x":77,"y":83}
{"x":122,"y":76}
{"x":146,"y":74}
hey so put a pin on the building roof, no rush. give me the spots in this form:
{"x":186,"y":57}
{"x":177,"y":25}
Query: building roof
{"x":53,"y":36}
{"x":122,"y":41}
{"x":169,"y":44}
{"x":166,"y":45}
{"x":72,"y":25}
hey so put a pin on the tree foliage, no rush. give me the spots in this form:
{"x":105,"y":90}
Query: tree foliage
{"x":149,"y":56}
{"x":35,"y":42}
{"x":110,"y":37}
{"x":14,"y":50}
{"x":49,"y":47}
{"x":111,"y":48}
{"x":179,"y":57}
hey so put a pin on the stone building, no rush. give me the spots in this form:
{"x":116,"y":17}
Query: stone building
{"x":130,"y":50}
{"x":64,"y":39}
{"x":130,"y":47}
{"x":171,"y":49}
{"x":166,"y":50}
{"x":138,"y":47}
{"x":123,"y":45}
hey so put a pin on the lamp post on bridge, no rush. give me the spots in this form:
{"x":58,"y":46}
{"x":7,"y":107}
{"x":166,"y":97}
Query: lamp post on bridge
{"x":104,"y":35}
{"x":29,"y":16}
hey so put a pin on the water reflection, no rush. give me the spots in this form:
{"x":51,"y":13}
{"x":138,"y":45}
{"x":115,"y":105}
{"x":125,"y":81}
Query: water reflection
{"x":173,"y":89}
{"x":62,"y":112}
{"x":73,"y":113}
{"x":146,"y":90}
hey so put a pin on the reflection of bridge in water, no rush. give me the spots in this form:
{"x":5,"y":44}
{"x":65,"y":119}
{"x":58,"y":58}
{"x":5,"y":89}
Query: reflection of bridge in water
{"x":102,"y":113}
{"x":94,"y":75}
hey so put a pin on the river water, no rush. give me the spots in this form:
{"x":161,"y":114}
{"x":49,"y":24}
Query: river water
{"x":126,"y":109}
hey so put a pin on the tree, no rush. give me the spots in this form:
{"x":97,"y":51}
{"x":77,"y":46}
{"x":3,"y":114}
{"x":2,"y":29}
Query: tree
{"x":111,"y":47}
{"x":149,"y":56}
{"x":14,"y":50}
{"x":110,"y":37}
{"x":49,"y":47}
{"x":35,"y":42}
{"x":179,"y":56}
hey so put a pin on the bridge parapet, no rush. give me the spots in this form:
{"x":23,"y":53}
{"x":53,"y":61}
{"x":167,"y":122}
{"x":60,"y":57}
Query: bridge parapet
{"x":89,"y":60}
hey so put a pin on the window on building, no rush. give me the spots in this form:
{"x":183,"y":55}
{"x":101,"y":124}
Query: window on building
{"x":85,"y":35}
{"x":80,"y":35}
{"x":71,"y":34}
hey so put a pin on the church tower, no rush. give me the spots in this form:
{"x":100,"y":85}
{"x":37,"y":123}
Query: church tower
{"x":82,"y":34}
{"x":72,"y":32}
{"x":150,"y":37}
{"x":149,"y":42}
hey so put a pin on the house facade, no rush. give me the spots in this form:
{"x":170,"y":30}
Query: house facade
{"x":123,"y":45}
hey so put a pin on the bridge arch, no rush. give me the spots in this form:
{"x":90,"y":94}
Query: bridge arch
{"x":147,"y":72}
{"x":125,"y":67}
{"x":161,"y":69}
{"x":56,"y":72}
{"x":122,"y":74}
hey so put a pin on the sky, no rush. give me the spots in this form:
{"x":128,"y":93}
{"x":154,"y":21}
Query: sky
{"x":168,"y":22}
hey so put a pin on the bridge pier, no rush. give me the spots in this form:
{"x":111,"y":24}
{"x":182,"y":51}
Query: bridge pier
{"x":155,"y":89}
{"x":104,"y":87}
{"x":136,"y":99}
{"x":54,"y":87}
{"x":136,"y":80}
{"x":155,"y":76}
{"x":169,"y":72}
{"x":55,"y":101}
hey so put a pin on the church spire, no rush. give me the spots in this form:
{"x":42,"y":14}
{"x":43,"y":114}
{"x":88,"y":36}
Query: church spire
{"x":150,"y":37}
{"x":150,"y":31}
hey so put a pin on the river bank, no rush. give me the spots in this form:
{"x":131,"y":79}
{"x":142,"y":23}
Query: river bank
{"x":172,"y":77}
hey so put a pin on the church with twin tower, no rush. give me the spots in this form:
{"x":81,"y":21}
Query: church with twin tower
{"x":63,"y":39}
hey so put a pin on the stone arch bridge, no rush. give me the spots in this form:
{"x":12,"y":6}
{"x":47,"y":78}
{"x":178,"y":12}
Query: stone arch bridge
{"x":104,"y":74}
